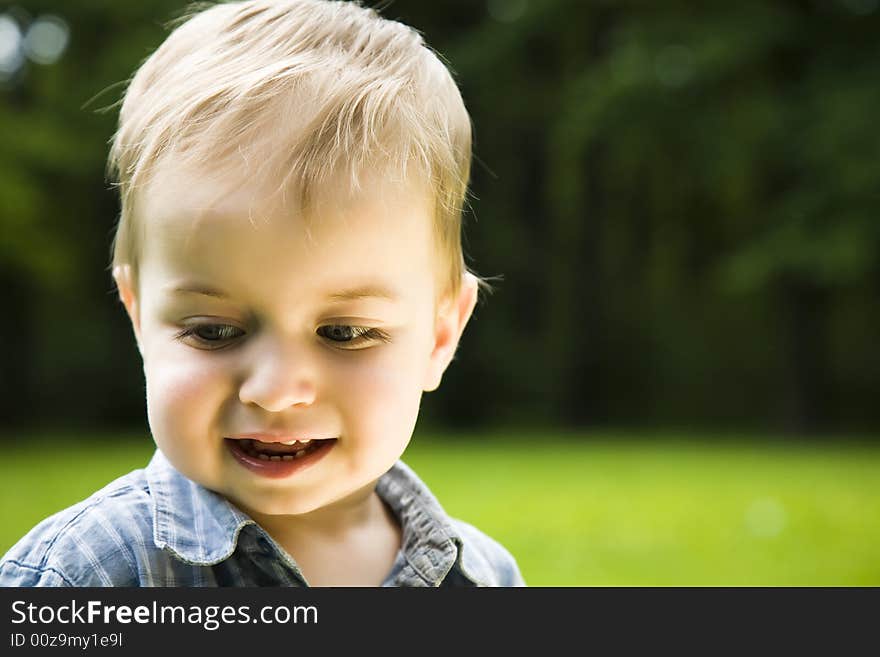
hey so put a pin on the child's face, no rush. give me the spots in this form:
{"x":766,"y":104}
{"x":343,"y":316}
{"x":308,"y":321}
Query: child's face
{"x":246,"y":326}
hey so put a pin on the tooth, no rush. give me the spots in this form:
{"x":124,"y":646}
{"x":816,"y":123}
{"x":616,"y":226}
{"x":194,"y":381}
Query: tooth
{"x":299,"y":454}
{"x":305,"y":442}
{"x":292,"y":442}
{"x":275,"y":458}
{"x":263,"y":457}
{"x":287,"y":457}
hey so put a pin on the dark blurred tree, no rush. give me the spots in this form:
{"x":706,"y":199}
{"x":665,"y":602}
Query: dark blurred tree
{"x":694,"y":189}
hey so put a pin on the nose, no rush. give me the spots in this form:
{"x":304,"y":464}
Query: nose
{"x":279,"y":377}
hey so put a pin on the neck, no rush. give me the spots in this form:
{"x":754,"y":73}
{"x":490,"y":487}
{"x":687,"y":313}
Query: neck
{"x":349,"y":543}
{"x":361,"y":510}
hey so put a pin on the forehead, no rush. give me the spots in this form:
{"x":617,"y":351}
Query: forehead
{"x":221,"y":227}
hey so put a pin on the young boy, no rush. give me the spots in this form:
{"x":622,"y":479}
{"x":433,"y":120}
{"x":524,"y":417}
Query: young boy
{"x":292,"y":175}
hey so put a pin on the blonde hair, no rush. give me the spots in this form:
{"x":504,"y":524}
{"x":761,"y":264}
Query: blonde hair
{"x":307,"y":89}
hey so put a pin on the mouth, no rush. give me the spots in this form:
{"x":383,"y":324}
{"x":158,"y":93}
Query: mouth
{"x":278,"y":451}
{"x":276,"y":460}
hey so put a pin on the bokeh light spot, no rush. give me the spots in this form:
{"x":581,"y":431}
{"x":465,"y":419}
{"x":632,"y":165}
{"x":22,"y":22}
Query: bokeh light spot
{"x":10,"y":47}
{"x":46,"y":39}
{"x":765,"y":517}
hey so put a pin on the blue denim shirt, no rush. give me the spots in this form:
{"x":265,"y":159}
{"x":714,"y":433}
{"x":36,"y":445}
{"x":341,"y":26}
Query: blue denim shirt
{"x":155,"y":527}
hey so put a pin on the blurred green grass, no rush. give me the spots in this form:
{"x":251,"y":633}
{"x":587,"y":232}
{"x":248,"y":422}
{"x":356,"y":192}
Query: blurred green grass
{"x":600,"y":510}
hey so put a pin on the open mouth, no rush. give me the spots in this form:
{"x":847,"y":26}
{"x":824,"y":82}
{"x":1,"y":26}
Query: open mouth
{"x":277,"y":460}
{"x":279,"y":451}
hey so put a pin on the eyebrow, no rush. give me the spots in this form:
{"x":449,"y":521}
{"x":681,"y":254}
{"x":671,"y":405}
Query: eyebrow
{"x":370,"y":291}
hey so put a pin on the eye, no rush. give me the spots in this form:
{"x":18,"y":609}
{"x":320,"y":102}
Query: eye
{"x":211,"y":336}
{"x":350,"y":337}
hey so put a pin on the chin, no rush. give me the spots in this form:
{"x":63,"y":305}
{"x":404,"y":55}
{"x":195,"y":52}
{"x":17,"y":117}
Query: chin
{"x":285,"y":509}
{"x":280,"y":505}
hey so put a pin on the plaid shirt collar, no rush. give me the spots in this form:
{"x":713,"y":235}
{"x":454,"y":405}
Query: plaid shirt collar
{"x":201,"y":527}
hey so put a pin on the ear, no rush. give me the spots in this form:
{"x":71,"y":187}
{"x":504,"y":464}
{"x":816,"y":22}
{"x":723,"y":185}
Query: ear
{"x":451,"y":320}
{"x":124,"y":278}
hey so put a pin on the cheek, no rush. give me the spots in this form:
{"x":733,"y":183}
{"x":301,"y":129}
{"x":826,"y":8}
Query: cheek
{"x":184,"y":393}
{"x":382,"y":394}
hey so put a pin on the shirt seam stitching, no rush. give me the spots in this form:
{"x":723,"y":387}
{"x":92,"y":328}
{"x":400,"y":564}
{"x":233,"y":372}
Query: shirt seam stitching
{"x":41,"y":570}
{"x":163,"y":524}
{"x":94,"y":503}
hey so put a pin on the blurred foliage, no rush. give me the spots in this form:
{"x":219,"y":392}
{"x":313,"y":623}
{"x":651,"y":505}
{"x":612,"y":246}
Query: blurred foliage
{"x":681,"y":200}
